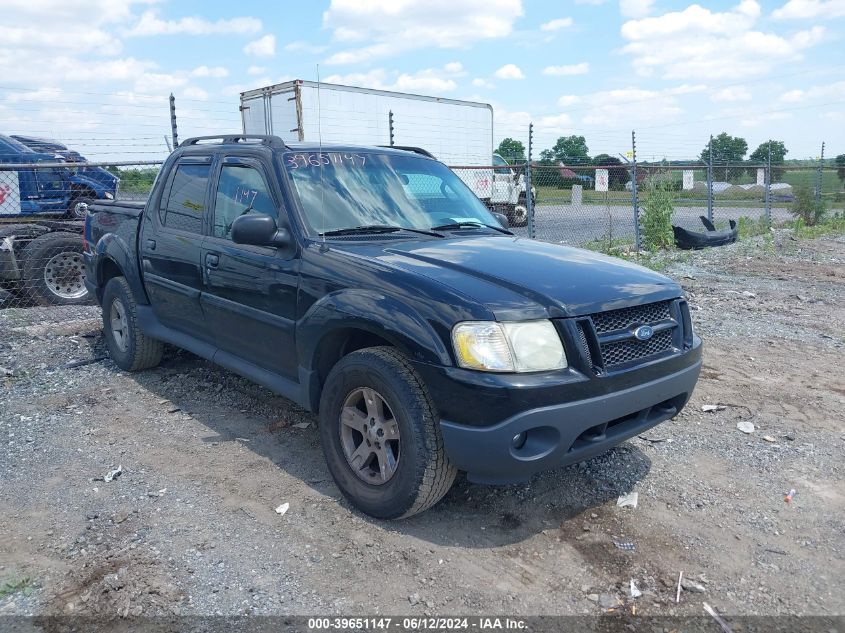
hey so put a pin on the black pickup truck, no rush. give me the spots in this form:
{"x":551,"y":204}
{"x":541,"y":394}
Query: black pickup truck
{"x":369,"y":284}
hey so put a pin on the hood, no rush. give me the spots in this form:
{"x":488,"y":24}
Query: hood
{"x":517,"y":278}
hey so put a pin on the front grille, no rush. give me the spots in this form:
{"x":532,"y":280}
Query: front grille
{"x":626,"y":351}
{"x":615,"y":332}
{"x":626,"y":317}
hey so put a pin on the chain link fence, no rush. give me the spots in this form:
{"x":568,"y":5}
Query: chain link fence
{"x":42,"y":208}
{"x":42,"y":211}
{"x":599,"y":206}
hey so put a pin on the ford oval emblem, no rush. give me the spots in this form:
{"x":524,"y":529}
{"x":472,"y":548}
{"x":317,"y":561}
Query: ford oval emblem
{"x":644,"y":332}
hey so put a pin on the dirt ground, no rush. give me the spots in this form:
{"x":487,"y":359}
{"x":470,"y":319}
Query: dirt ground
{"x":189,"y":526}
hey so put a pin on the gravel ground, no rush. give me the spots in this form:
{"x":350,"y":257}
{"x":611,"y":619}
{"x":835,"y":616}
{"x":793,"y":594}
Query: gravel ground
{"x":189,"y":527}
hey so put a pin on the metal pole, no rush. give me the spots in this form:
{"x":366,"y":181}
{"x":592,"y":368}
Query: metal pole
{"x":390,"y":123}
{"x":634,"y":191}
{"x":529,"y":199}
{"x":820,"y":176}
{"x":768,"y":182}
{"x":710,"y":183}
{"x":173,"y":121}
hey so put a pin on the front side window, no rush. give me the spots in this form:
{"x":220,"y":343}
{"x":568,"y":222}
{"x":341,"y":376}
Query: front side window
{"x":185,"y":206}
{"x":348,"y":190}
{"x":242,"y":189}
{"x":501,"y":165}
{"x":50,"y":179}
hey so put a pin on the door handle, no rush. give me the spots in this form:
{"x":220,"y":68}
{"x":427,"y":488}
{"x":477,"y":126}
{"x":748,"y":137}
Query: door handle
{"x":211,"y":260}
{"x":151,"y":245}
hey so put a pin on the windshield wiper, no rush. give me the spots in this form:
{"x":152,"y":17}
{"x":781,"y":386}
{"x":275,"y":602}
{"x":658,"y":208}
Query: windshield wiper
{"x":372,"y":229}
{"x":462,"y":225}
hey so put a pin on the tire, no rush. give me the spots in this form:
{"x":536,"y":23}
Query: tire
{"x":519,"y":213}
{"x":423,"y":473}
{"x":75,"y":211}
{"x":19,"y":232}
{"x":132,"y":350}
{"x":53,"y":270}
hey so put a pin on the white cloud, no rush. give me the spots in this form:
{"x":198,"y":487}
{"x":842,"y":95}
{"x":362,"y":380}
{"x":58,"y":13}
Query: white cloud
{"x":426,"y":81}
{"x":262,"y":47}
{"x":256,"y":70}
{"x":394,"y":26}
{"x":510,"y":71}
{"x":574,"y":69}
{"x":480,"y":82}
{"x":214,"y":72}
{"x":736,"y":93}
{"x":151,"y":24}
{"x":635,"y":8}
{"x":556,"y":25}
{"x":194,"y":93}
{"x":835,"y":90}
{"x":810,"y":9}
{"x":568,"y":100}
{"x":700,"y":43}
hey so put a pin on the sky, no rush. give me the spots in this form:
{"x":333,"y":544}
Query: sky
{"x":97,"y":73}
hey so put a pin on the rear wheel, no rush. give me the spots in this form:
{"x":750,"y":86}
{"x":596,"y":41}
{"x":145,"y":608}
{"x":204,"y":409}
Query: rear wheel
{"x":128,"y":346}
{"x":381,"y":435}
{"x":53,"y":270}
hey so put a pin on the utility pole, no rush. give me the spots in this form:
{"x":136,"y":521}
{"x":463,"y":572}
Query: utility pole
{"x":710,"y":183}
{"x":173,"y":121}
{"x":634,"y":190}
{"x":529,"y":198}
{"x":820,"y":176}
{"x":390,"y":125}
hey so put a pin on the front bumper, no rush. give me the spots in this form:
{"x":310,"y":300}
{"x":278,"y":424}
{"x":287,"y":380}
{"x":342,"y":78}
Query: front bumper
{"x":565,"y":433}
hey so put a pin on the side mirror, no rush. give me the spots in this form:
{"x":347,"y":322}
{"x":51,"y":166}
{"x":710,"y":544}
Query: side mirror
{"x":259,"y":230}
{"x":503,"y":219}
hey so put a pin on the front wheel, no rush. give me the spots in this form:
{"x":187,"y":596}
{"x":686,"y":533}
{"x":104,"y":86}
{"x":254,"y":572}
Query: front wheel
{"x":78,"y":207}
{"x":381,"y":435}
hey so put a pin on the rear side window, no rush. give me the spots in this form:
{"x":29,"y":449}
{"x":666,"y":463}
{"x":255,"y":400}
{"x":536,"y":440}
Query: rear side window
{"x":185,"y":206}
{"x":241,"y":190}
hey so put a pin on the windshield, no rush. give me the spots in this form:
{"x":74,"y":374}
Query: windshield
{"x":371,"y":188}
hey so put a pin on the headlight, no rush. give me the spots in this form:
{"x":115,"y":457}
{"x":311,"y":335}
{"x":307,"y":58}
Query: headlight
{"x":108,"y":195}
{"x":508,"y":347}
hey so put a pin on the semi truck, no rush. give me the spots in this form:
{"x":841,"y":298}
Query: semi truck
{"x":457,"y":133}
{"x":44,"y":194}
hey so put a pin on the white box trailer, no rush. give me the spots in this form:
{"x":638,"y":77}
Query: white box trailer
{"x":458,"y":133}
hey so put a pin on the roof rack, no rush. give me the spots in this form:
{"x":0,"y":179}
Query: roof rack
{"x":266,"y":139}
{"x":409,"y":148}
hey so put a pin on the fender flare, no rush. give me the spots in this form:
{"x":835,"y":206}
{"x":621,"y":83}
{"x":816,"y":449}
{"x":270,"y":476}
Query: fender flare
{"x":113,"y":248}
{"x":371,"y":311}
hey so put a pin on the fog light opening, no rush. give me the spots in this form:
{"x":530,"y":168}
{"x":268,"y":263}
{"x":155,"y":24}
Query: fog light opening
{"x":518,"y":440}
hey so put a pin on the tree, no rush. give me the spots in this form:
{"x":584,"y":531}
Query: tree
{"x":569,"y":150}
{"x":761,"y":156}
{"x":511,"y":150}
{"x":728,"y":151}
{"x":840,"y":168}
{"x":616,"y":176}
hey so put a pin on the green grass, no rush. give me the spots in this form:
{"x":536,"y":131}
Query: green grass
{"x":11,"y":587}
{"x":833,"y":224}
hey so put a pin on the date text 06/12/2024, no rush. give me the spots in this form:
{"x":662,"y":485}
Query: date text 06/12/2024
{"x":416,"y":624}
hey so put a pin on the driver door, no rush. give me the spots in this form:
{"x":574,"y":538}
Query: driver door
{"x":250,"y":292}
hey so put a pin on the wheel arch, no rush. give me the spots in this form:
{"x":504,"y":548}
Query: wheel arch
{"x":343,"y":323}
